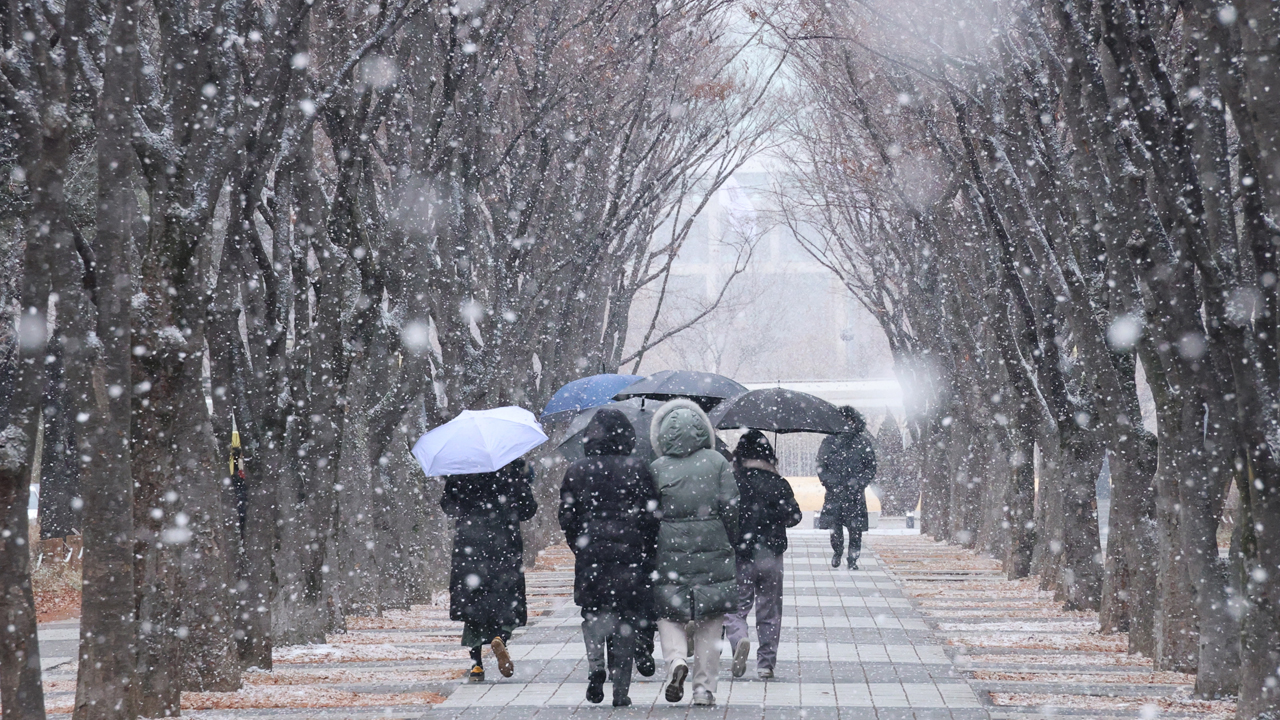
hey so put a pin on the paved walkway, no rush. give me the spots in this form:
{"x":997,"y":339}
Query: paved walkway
{"x":59,"y":643}
{"x":852,"y":647}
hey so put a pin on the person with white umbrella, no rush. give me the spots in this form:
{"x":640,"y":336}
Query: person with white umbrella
{"x":489,"y":493}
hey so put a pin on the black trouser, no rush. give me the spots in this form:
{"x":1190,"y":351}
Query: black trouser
{"x":855,"y":539}
{"x":644,"y":638}
{"x":611,"y":638}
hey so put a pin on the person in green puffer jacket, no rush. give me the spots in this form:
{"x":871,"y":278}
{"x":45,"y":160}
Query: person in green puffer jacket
{"x":696,"y":581}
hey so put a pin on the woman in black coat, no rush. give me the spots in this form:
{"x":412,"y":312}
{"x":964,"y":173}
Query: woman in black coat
{"x":846,"y":466}
{"x":766,"y":508}
{"x":608,"y":511}
{"x":486,"y":584}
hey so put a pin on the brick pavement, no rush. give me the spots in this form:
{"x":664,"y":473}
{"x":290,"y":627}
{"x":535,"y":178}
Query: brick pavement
{"x":852,"y":647}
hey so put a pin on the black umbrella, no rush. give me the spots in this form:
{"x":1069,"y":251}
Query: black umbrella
{"x":706,"y":389}
{"x":779,"y":410}
{"x":639,"y":413}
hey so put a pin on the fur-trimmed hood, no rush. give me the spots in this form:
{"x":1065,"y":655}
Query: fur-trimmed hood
{"x":680,"y":428}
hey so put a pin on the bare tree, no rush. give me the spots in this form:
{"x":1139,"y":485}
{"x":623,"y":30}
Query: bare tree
{"x":1069,"y":178}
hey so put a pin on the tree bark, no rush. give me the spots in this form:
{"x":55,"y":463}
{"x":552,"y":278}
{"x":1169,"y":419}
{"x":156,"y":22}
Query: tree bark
{"x":108,"y":618}
{"x":60,"y":512}
{"x":21,"y":691}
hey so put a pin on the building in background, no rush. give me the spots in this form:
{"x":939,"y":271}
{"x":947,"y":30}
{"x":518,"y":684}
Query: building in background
{"x":784,"y":318}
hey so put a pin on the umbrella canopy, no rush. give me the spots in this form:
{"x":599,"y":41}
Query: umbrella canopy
{"x":587,"y":392}
{"x":478,"y":441}
{"x":639,"y":413}
{"x":779,"y":410}
{"x":706,"y":389}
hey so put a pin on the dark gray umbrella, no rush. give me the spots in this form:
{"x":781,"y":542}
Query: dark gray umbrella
{"x":779,"y":410}
{"x":639,"y":413}
{"x":706,"y":389}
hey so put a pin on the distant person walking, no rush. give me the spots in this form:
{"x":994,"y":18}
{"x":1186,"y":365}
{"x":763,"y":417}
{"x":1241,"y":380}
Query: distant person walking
{"x":766,"y":508}
{"x":846,"y":466}
{"x":609,"y":514}
{"x":486,"y":584}
{"x":696,"y":583}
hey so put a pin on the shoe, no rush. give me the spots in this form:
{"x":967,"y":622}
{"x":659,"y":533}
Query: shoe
{"x":740,"y":653}
{"x":835,"y":561}
{"x":595,"y":686}
{"x":645,"y":665}
{"x":853,"y":563}
{"x":476,"y":675}
{"x":765,"y":673}
{"x":675,"y":686}
{"x":621,"y":701}
{"x":703,"y":698}
{"x":505,"y":666}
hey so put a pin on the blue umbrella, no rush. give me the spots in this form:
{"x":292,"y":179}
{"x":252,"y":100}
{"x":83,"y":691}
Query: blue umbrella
{"x":587,"y":392}
{"x":478,"y":441}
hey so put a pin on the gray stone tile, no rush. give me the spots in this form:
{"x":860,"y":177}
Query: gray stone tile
{"x":898,"y":714}
{"x":842,"y":630}
{"x":852,"y":713}
{"x":880,"y":673}
{"x":969,"y":714}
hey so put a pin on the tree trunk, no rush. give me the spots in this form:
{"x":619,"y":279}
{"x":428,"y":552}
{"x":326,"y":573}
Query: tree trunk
{"x":1177,"y":643}
{"x":108,"y":615}
{"x":157,"y":687}
{"x":60,"y":512}
{"x":209,"y":659}
{"x":21,"y":692}
{"x":303,"y":610}
{"x":1081,"y":584}
{"x":1021,"y":497}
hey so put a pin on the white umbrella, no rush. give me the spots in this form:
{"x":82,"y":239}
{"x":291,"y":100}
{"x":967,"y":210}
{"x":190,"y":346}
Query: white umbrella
{"x":478,"y":441}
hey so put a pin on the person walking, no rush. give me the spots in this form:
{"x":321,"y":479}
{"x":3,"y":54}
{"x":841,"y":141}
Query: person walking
{"x":609,"y":514}
{"x":846,"y":466}
{"x":696,"y":583}
{"x":766,"y":508}
{"x":486,"y":582}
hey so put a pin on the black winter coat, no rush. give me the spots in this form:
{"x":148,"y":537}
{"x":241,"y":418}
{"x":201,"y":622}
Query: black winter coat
{"x":486,"y":583}
{"x":766,"y":508}
{"x":609,"y":514}
{"x":846,"y":466}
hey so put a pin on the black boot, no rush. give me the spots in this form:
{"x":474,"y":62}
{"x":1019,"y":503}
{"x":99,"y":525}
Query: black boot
{"x":645,"y":665}
{"x":595,"y":686}
{"x":644,"y":652}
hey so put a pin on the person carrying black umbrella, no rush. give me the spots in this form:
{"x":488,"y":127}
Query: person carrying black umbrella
{"x":486,"y":582}
{"x":609,"y":513}
{"x":846,"y":466}
{"x":766,"y":508}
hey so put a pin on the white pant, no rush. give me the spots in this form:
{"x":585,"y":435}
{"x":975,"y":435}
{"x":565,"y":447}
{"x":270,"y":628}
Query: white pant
{"x":706,"y":648}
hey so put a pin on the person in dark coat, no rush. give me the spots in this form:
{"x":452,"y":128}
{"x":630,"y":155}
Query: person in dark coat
{"x":846,"y":466}
{"x":609,"y":514}
{"x":766,"y":508}
{"x":486,"y":583}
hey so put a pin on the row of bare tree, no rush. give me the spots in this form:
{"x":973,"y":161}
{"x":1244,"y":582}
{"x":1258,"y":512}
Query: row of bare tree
{"x":1051,"y":206}
{"x":325,"y":226}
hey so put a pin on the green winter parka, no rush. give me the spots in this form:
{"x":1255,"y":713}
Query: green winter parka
{"x":696,"y":573}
